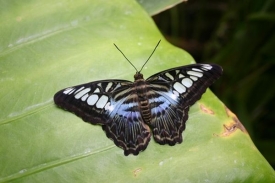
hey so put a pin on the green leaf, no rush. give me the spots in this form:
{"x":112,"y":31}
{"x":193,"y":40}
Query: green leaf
{"x":49,"y":45}
{"x":155,"y":6}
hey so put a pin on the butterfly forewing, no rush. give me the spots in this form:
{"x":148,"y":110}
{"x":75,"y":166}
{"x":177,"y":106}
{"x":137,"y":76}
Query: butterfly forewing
{"x":189,"y":82}
{"x":89,"y":101}
{"x":119,"y":106}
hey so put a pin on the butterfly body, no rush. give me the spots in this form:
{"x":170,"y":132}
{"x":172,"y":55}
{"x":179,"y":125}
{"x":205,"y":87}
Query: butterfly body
{"x":128,"y":110}
{"x":141,"y":90}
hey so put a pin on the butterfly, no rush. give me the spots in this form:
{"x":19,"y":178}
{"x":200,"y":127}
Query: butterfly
{"x":129,"y":111}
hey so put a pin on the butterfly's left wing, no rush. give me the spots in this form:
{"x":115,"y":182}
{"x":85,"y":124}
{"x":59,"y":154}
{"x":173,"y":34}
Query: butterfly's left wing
{"x":112,"y":104}
{"x":172,"y":92}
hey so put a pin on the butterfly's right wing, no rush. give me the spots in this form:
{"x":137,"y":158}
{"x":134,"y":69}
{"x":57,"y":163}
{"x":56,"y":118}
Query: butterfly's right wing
{"x":172,"y":92}
{"x":112,"y":104}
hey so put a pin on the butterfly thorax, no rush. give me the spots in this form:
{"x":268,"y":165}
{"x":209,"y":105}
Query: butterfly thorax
{"x":141,"y":90}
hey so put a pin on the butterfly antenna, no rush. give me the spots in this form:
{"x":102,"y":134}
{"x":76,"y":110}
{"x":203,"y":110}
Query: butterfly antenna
{"x":150,"y":56}
{"x":125,"y":57}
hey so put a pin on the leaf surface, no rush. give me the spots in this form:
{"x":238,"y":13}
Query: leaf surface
{"x":49,"y":45}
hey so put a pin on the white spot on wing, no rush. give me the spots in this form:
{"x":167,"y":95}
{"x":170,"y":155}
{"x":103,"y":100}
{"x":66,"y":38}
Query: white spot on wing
{"x":194,"y":78}
{"x":79,"y":89}
{"x":81,"y":93}
{"x":84,"y":97}
{"x":181,"y":76}
{"x":97,"y":91}
{"x":207,"y":66}
{"x":167,"y":74}
{"x":68,"y":90}
{"x":179,"y":87}
{"x":109,"y":85}
{"x":71,"y":92}
{"x":117,"y":86}
{"x":102,"y":101}
{"x":195,"y":69}
{"x":92,"y":99}
{"x":198,"y":74}
{"x":187,"y":82}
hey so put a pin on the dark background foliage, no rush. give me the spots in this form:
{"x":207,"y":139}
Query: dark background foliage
{"x":240,"y":36}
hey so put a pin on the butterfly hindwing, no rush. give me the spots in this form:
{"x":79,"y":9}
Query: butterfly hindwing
{"x":167,"y":115}
{"x":104,"y":103}
{"x":175,"y":91}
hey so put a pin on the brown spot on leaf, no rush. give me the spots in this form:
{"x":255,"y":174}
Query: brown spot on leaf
{"x":233,"y":125}
{"x":228,"y":129}
{"x":206,"y":110}
{"x":237,"y":122}
{"x":136,"y":171}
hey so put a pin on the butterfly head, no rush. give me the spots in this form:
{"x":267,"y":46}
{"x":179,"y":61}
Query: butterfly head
{"x":138,"y":75}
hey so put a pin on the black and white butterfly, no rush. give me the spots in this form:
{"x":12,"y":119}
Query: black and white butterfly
{"x":128,"y":110}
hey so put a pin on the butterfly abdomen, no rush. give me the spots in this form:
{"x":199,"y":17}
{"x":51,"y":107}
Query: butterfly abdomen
{"x":141,"y":90}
